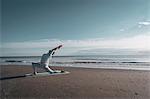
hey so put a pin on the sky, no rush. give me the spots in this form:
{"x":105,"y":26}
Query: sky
{"x":32,"y":27}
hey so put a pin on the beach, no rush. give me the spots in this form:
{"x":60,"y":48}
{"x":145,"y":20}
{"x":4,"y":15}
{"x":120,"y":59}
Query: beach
{"x":80,"y":83}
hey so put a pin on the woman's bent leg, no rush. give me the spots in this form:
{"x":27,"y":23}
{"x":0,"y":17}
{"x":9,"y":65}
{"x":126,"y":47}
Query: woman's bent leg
{"x":49,"y":69}
{"x":34,"y":66}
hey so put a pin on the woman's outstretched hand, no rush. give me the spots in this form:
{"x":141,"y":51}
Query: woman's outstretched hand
{"x":58,"y":47}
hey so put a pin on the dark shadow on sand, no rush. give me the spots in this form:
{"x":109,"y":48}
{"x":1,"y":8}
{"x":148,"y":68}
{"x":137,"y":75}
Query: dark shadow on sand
{"x":12,"y":77}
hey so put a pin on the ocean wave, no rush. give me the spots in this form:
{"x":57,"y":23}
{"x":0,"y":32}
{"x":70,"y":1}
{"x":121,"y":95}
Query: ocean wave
{"x":15,"y":61}
{"x":91,"y":62}
{"x":79,"y":62}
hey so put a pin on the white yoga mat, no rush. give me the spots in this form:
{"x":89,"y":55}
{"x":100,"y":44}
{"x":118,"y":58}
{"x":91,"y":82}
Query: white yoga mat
{"x":57,"y":72}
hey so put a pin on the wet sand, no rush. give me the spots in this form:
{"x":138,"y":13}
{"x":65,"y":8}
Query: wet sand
{"x":80,"y":83}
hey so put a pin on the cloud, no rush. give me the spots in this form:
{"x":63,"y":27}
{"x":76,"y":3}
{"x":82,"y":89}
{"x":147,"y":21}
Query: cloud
{"x":145,"y":23}
{"x":121,"y":30}
{"x":139,"y":42}
{"x":33,"y":44}
{"x":111,"y":51}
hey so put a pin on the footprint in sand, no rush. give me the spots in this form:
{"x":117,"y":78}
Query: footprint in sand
{"x":136,"y":93}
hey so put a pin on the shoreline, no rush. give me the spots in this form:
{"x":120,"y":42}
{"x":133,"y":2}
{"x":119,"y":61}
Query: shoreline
{"x":83,"y":67}
{"x":79,"y":83}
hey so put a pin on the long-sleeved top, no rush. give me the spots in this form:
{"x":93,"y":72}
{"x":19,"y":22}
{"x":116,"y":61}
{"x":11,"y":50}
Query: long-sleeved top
{"x":46,"y":57}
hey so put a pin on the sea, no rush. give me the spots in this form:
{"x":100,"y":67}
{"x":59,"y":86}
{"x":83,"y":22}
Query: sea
{"x":129,"y":62}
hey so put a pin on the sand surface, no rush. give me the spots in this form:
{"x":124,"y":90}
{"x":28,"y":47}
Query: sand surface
{"x":81,"y":83}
